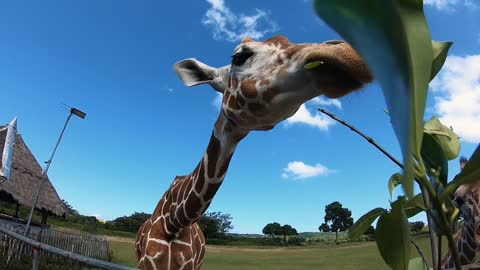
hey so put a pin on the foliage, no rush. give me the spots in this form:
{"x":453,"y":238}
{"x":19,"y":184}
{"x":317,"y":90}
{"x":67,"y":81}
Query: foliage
{"x":286,"y":231}
{"x":417,"y":226}
{"x":296,"y":241}
{"x":275,"y":229}
{"x":370,"y":232}
{"x":70,"y":208}
{"x":128,"y":223}
{"x":272,"y":229}
{"x":215,"y":224}
{"x":336,"y":218}
{"x":404,"y":59}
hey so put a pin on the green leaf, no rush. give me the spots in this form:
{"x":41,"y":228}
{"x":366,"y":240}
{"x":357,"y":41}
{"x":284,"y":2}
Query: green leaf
{"x":446,"y":138}
{"x":469,"y":174}
{"x":394,"y":40}
{"x":362,"y":224}
{"x":440,"y":51}
{"x":394,"y":181}
{"x":417,"y":264}
{"x":434,"y":157}
{"x":393,"y":236}
{"x":414,"y":206}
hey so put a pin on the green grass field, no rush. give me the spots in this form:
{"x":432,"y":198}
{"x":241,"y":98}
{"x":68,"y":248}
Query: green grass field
{"x":358,"y":256}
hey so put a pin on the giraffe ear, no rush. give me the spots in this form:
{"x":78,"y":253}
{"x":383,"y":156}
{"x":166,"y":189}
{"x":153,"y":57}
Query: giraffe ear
{"x":193,"y":72}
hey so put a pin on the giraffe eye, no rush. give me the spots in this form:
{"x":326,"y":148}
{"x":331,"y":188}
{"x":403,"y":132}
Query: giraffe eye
{"x":241,"y":57}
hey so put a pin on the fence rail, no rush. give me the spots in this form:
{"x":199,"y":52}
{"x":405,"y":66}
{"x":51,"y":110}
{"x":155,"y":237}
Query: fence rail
{"x":16,"y":245}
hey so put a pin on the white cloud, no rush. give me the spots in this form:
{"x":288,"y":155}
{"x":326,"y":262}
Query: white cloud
{"x":304,"y":116}
{"x":232,"y":27}
{"x":449,"y":5}
{"x":299,"y":170}
{"x":456,"y":92}
{"x":322,"y":101}
{"x":217,"y":101}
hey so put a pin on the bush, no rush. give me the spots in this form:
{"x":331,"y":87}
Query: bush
{"x":296,"y":241}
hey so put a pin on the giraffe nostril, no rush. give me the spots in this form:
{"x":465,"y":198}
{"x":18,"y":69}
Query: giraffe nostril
{"x":333,"y":42}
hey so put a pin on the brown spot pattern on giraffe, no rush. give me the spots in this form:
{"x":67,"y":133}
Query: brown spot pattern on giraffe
{"x":232,"y":103}
{"x":211,"y":190}
{"x":248,"y":88}
{"x":224,"y":167}
{"x":193,"y":202}
{"x":201,"y":178}
{"x":213,"y":151}
{"x":293,"y":50}
{"x":257,"y":109}
{"x":240,"y":100}
{"x":270,"y":94}
{"x":234,"y":82}
{"x":264,"y":82}
{"x":280,"y":41}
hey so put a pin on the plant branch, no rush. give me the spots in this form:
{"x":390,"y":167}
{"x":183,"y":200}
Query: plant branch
{"x":419,"y":250}
{"x":369,"y":139}
{"x":423,"y":183}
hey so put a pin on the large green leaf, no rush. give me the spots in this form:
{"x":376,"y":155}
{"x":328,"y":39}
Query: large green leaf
{"x":469,"y":174}
{"x":393,"y":182}
{"x":446,"y":138}
{"x":414,"y":206}
{"x":362,"y":224}
{"x":393,"y":236}
{"x":394,"y":39}
{"x":417,"y":264}
{"x":440,"y":51}
{"x":434,"y":157}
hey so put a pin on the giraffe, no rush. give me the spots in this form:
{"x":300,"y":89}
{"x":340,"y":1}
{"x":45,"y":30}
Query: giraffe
{"x":467,"y":198}
{"x":266,"y":82}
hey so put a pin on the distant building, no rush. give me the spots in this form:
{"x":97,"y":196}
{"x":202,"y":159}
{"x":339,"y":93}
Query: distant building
{"x":21,"y":174}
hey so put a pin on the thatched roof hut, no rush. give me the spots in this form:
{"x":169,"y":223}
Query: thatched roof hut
{"x":25,"y":178}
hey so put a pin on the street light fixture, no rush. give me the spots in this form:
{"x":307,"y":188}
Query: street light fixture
{"x":73,"y":111}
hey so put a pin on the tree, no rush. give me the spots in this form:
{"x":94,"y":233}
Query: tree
{"x":272,"y":229}
{"x":324,"y":228}
{"x":336,"y":219}
{"x":287,"y":230}
{"x":215,"y":224}
{"x":417,"y":226}
{"x":70,"y":208}
{"x":275,"y":229}
{"x":370,"y":233}
{"x":128,"y":223}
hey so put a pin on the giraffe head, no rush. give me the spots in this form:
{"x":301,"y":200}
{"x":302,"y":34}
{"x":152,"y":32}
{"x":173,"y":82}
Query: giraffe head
{"x":267,"y":81}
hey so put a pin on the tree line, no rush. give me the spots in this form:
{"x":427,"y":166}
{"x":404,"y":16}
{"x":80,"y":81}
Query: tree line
{"x":216,"y":225}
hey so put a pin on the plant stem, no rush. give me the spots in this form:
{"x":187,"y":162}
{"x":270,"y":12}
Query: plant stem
{"x":419,"y":251}
{"x":439,"y":242}
{"x":454,"y":251}
{"x":369,"y":139}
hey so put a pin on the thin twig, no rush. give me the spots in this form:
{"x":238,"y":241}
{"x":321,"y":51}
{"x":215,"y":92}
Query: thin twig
{"x":369,"y":139}
{"x":419,"y":252}
{"x":426,"y":197}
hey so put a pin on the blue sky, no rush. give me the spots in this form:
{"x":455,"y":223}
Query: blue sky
{"x":113,"y":59}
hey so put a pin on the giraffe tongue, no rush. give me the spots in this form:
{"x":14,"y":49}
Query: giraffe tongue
{"x":312,"y":65}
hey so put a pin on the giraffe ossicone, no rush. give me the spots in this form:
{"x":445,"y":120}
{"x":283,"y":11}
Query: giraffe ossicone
{"x":266,"y":82}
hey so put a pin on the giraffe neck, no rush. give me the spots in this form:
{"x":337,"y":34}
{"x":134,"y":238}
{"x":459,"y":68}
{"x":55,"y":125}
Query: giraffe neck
{"x":466,"y":244}
{"x":189,"y":196}
{"x":213,"y":167}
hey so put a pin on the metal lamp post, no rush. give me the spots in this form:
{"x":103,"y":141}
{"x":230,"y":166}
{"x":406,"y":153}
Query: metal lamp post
{"x":73,"y":111}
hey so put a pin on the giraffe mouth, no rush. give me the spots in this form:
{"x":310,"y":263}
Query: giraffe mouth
{"x":337,"y":73}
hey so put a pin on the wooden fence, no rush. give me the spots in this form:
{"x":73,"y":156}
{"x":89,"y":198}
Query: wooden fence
{"x":14,"y":248}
